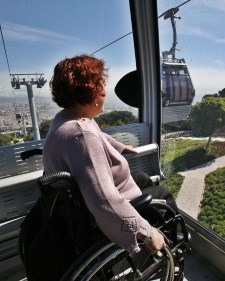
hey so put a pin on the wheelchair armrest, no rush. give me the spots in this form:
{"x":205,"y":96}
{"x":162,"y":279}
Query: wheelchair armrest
{"x":155,"y":179}
{"x":48,"y":179}
{"x":141,"y":201}
{"x":29,"y":153}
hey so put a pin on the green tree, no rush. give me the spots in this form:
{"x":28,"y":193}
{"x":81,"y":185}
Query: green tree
{"x":208,"y":116}
{"x":115,"y":118}
{"x":29,"y":137}
{"x":44,"y":127}
{"x":5,"y":139}
{"x":222,"y":93}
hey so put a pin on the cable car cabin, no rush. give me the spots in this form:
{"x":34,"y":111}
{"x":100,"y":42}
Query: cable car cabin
{"x":138,"y":49}
{"x":177,"y":86}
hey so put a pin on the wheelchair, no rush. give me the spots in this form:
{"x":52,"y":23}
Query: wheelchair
{"x":105,"y":260}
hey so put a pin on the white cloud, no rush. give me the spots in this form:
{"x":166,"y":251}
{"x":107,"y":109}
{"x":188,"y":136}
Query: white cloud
{"x":19,"y":32}
{"x":207,"y":81}
{"x":220,"y":63}
{"x":220,"y":40}
{"x":208,"y":77}
{"x":5,"y":83}
{"x":220,"y":5}
{"x":195,"y":31}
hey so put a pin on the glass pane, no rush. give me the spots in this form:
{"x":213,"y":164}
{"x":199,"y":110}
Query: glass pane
{"x":193,"y":107}
{"x":38,"y":35}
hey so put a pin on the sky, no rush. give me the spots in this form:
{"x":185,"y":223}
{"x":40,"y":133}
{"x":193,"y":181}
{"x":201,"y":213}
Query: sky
{"x":37,"y":34}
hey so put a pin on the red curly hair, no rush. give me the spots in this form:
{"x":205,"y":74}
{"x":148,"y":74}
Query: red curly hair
{"x":78,"y":80}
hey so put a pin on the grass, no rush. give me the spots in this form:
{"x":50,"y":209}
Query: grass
{"x":212,"y":213}
{"x":183,"y":154}
{"x":180,"y":155}
{"x":174,"y":183}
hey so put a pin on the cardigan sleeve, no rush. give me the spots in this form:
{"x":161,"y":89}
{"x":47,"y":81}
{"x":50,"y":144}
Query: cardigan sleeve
{"x":116,"y":144}
{"x":90,"y":165}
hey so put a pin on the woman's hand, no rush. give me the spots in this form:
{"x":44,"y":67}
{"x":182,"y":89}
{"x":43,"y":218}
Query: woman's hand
{"x":155,"y":243}
{"x":129,"y":149}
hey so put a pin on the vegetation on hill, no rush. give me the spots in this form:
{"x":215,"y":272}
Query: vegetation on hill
{"x":44,"y":127}
{"x":115,"y":118}
{"x":106,"y":120}
{"x":7,"y":139}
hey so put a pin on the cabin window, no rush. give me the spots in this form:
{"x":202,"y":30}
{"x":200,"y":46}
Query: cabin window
{"x":193,"y":108}
{"x":36,"y":39}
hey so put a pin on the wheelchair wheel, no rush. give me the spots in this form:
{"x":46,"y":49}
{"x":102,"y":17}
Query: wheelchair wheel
{"x":107,"y":262}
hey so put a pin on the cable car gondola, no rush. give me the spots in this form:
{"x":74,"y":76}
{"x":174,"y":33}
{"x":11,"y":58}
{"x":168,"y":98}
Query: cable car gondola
{"x":176,"y":84}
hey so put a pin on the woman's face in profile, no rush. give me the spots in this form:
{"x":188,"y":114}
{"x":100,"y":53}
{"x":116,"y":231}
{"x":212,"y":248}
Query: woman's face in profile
{"x":100,"y":99}
{"x":100,"y":102}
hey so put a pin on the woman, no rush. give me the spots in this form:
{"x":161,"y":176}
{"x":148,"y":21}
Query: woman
{"x":76,"y":144}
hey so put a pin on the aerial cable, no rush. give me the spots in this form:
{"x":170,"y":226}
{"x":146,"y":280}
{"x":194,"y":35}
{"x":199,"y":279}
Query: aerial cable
{"x":5,"y":51}
{"x":111,"y":43}
{"x":7,"y":62}
{"x":105,"y":47}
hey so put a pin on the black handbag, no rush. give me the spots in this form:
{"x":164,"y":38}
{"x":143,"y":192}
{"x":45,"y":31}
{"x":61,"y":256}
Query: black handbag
{"x":54,"y":233}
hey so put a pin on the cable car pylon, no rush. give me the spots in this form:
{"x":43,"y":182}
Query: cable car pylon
{"x":35,"y":79}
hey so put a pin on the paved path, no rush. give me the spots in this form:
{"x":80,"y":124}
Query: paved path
{"x":190,"y":195}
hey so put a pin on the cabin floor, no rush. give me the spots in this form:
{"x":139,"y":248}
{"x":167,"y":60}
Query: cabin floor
{"x":196,"y":269}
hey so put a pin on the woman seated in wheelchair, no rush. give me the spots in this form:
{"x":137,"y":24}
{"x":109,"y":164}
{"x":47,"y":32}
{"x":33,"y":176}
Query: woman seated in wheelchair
{"x":76,"y":144}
